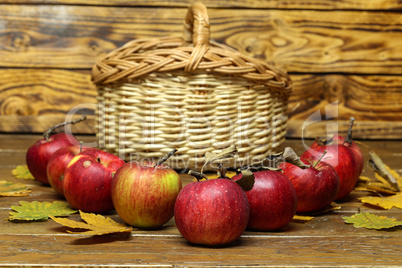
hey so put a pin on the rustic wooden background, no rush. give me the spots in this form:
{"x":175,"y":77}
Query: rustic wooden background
{"x":344,"y":57}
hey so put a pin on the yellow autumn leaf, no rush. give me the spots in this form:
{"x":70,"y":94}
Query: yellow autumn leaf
{"x":212,"y":176}
{"x":386,"y":202}
{"x":13,"y":189}
{"x":364,"y":179}
{"x":302,"y":218}
{"x":95,"y":224}
{"x":22,"y":172}
{"x":393,"y":173}
{"x":381,"y":186}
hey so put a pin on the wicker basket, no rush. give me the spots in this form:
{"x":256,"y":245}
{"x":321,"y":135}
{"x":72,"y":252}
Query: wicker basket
{"x":192,"y":94}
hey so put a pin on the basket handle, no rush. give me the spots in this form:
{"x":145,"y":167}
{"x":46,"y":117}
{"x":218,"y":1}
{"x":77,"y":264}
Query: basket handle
{"x":196,"y":32}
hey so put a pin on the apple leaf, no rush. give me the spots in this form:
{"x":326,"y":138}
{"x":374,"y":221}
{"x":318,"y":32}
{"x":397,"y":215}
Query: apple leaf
{"x":290,"y":156}
{"x":371,"y":221}
{"x":22,"y":172}
{"x":95,"y":224}
{"x":246,"y":182}
{"x":13,"y":189}
{"x":35,"y":211}
{"x":378,"y":166}
{"x":212,"y":157}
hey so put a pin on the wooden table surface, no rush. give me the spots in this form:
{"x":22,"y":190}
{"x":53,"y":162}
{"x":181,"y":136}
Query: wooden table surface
{"x":324,"y":241}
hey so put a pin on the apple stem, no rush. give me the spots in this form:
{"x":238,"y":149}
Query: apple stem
{"x":165,"y":157}
{"x":349,"y":136}
{"x":319,"y":160}
{"x":198,"y":175}
{"x":47,"y":133}
{"x":81,"y":144}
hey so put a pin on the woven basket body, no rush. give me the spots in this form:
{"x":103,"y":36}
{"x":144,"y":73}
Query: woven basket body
{"x":197,"y":96}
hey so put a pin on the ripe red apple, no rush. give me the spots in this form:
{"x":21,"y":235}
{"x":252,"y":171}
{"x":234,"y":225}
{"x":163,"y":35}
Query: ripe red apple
{"x":316,"y":186}
{"x":38,"y":155}
{"x":144,"y":193}
{"x":343,"y":159}
{"x":57,"y":165}
{"x":337,"y":139}
{"x":344,"y":155}
{"x":213,"y":212}
{"x":88,"y":179}
{"x":272,"y":201}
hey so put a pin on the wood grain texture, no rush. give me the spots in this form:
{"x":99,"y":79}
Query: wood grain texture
{"x":345,"y":59}
{"x":326,"y":240}
{"x":305,"y":41}
{"x":310,"y":4}
{"x":31,"y":100}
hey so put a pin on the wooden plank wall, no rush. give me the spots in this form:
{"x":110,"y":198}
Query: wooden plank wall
{"x":344,"y":57}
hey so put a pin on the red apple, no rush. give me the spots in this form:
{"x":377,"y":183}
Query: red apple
{"x":337,"y":139}
{"x":88,"y":179}
{"x":213,"y":212}
{"x":144,"y":193}
{"x":272,"y":201}
{"x":344,"y":155}
{"x":343,"y":159}
{"x":38,"y":155}
{"x":316,"y":186}
{"x":57,"y":165}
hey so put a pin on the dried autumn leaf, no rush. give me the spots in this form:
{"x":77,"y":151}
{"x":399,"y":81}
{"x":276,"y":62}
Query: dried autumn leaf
{"x":22,"y":172}
{"x":364,"y":179}
{"x":96,"y":224}
{"x":13,"y":189}
{"x":378,"y":166}
{"x":290,"y":156}
{"x":387,"y":202}
{"x":247,"y":180}
{"x":300,"y":218}
{"x":393,"y":173}
{"x":371,"y":221}
{"x":33,"y":211}
{"x":224,"y":154}
{"x":379,"y":188}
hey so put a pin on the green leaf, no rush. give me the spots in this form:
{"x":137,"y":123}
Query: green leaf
{"x":22,"y":172}
{"x":371,"y":221}
{"x":34,"y":211}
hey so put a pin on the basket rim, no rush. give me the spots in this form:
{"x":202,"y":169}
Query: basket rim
{"x":141,"y":57}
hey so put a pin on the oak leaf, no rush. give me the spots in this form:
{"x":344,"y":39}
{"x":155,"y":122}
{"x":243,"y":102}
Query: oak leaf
{"x":371,"y":221}
{"x":22,"y":172}
{"x":13,"y":189}
{"x":95,"y":224}
{"x":34,"y":211}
